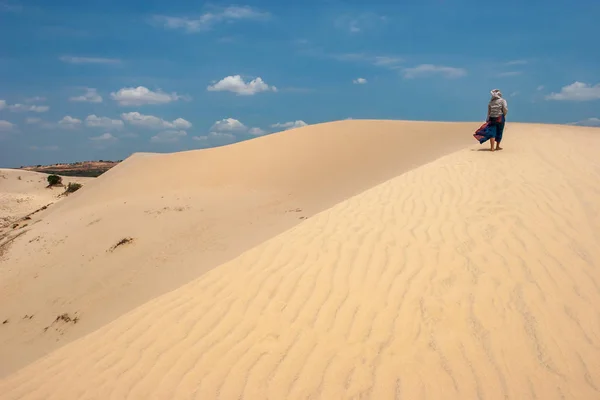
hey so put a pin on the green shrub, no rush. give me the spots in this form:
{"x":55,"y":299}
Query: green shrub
{"x":54,"y":180}
{"x":73,"y":187}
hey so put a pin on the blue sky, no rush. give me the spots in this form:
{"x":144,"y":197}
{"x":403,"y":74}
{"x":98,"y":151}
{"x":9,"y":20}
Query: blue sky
{"x":102,"y":79}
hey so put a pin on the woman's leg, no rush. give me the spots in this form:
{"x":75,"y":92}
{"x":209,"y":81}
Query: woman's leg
{"x":494,"y":130}
{"x":499,"y":132}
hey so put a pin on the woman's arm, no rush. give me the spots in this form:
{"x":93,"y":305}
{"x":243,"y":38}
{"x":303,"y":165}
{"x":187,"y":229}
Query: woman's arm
{"x":504,"y":108}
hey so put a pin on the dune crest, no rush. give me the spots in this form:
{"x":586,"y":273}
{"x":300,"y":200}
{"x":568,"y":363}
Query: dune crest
{"x":474,"y":276}
{"x":186,"y":213}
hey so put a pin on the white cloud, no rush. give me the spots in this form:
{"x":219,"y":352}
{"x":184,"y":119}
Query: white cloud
{"x":359,"y":81}
{"x":207,"y":20}
{"x":147,"y":121}
{"x":215,"y":139}
{"x":290,"y":125}
{"x":577,"y":91}
{"x":32,"y":120}
{"x":594,"y":122}
{"x":509,"y":74}
{"x":90,"y":96}
{"x":221,"y":135}
{"x":513,"y":94}
{"x":517,"y":62}
{"x":44,"y":148}
{"x":430,"y":69}
{"x":170,"y":136}
{"x":386,"y":61}
{"x":224,"y":132}
{"x":105,"y":138}
{"x":256,"y":131}
{"x":540,"y":88}
{"x":25,"y":108}
{"x":228,"y":125}
{"x":350,"y":57}
{"x":89,"y":60}
{"x":69,"y":122}
{"x":245,"y":12}
{"x":2,"y":104}
{"x":150,"y":121}
{"x":189,"y":25}
{"x":6,"y":126}
{"x":390,"y":62}
{"x":359,"y":23}
{"x":236,"y":84}
{"x":141,"y":95}
{"x":94,"y":121}
{"x":35,"y":99}
{"x":181,"y":123}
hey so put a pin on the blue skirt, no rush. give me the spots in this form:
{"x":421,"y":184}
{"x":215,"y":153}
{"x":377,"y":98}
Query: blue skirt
{"x":493,"y":128}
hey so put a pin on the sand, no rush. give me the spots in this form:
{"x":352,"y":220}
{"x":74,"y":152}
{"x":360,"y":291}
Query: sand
{"x":25,"y":195}
{"x":187,"y":213}
{"x":474,"y":276}
{"x":22,"y":192}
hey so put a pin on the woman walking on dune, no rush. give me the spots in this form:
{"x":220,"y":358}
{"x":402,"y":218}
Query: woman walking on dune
{"x":496,"y":117}
{"x":493,"y":128}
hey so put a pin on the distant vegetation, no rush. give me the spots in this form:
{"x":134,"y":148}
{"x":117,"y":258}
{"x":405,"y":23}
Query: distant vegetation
{"x":90,"y":173}
{"x":81,"y":168}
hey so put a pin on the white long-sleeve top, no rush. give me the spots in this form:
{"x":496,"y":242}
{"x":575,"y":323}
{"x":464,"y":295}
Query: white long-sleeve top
{"x":497,"y":107}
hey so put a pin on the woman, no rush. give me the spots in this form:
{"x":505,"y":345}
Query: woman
{"x":496,"y":117}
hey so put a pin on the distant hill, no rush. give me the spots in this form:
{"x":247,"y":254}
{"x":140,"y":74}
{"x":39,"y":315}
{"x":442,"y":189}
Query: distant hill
{"x":82,"y":168}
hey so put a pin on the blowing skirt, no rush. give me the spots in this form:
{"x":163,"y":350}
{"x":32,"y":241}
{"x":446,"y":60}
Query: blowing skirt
{"x":493,"y":128}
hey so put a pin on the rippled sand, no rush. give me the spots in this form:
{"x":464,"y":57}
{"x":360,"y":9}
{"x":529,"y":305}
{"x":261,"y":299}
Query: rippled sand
{"x":472,"y":276}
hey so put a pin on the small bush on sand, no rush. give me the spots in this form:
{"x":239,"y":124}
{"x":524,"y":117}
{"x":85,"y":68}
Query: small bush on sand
{"x":54,"y":180}
{"x":121,"y":243}
{"x":72,"y":187}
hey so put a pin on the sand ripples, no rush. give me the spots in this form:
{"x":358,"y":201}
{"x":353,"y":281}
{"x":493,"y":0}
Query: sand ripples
{"x":474,"y":277}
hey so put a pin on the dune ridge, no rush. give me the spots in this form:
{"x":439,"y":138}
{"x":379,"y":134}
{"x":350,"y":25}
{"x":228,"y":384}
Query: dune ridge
{"x":187,"y":212}
{"x":473,"y":276}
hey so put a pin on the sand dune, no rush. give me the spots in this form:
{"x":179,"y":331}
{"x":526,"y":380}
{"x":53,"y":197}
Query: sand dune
{"x":24,"y":197}
{"x":186,"y":213}
{"x":22,"y":192}
{"x":475,"y":276}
